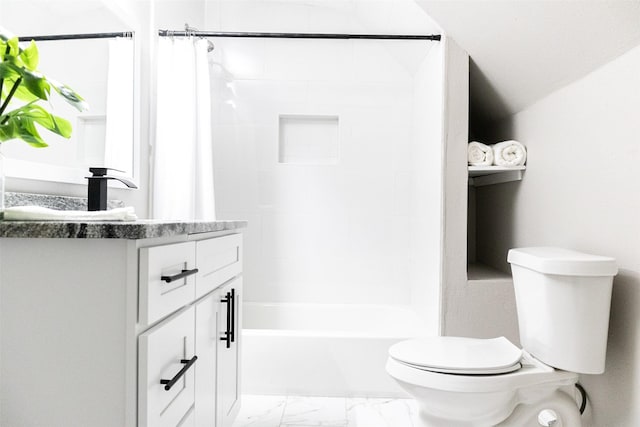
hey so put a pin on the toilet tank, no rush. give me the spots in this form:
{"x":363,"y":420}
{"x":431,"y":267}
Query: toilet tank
{"x":563,"y":299}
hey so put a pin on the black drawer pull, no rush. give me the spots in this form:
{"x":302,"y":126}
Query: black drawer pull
{"x":188,"y":363}
{"x":228,"y":334}
{"x":233,"y":315}
{"x":181,"y":275}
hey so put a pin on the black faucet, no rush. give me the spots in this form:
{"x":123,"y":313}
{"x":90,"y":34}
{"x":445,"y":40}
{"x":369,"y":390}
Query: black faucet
{"x":97,"y":195}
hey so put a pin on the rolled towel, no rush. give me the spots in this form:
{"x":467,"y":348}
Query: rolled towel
{"x":479,"y":154}
{"x":509,"y":153}
{"x":38,"y":213}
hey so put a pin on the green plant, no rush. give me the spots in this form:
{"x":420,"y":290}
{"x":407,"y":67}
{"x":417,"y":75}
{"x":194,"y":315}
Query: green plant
{"x":22,"y":82}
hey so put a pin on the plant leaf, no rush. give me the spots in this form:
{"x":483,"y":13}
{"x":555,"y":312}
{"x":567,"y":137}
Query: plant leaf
{"x":45,"y":119}
{"x":36,"y":83}
{"x":70,"y":96}
{"x":21,"y":128}
{"x":38,"y":114}
{"x":22,"y":93}
{"x":14,"y":48}
{"x":9,"y":130}
{"x":29,"y":133}
{"x":30,"y":56}
{"x":20,"y":65}
{"x":32,"y":81}
{"x":7,"y":71}
{"x":7,"y":39}
{"x":58,"y":125}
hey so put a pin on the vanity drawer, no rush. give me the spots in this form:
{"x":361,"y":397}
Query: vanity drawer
{"x":167,"y":280}
{"x":218,"y":260}
{"x":167,"y":354}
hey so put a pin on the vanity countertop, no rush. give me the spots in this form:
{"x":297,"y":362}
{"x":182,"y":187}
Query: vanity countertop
{"x":141,"y":229}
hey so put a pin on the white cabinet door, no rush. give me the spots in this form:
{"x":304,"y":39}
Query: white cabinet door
{"x":166,"y":389}
{"x":229,"y":352}
{"x":207,"y":338}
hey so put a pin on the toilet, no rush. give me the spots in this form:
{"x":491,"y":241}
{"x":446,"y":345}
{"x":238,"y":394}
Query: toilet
{"x":563,"y":299}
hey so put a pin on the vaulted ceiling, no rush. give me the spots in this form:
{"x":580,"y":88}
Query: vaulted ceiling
{"x":522,"y":50}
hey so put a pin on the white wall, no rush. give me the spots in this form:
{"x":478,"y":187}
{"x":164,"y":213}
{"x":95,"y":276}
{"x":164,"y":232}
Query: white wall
{"x":320,"y":16}
{"x":581,"y":190}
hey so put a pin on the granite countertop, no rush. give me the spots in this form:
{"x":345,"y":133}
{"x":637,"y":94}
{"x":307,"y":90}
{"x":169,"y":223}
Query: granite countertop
{"x":141,"y":229}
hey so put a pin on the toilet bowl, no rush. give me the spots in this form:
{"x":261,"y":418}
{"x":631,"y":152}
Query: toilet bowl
{"x":563,"y":299}
{"x":455,"y":396}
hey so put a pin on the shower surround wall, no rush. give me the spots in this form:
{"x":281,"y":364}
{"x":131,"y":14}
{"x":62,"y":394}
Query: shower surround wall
{"x":320,"y":145}
{"x":332,"y":150}
{"x":321,"y":231}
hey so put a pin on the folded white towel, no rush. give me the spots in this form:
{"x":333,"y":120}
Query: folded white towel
{"x":479,"y":154}
{"x":509,"y":153}
{"x":38,"y":213}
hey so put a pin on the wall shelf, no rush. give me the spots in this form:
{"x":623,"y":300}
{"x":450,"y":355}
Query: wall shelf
{"x":488,"y":175}
{"x":481,"y":273}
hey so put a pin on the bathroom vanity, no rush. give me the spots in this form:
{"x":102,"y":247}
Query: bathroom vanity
{"x":120,"y":324}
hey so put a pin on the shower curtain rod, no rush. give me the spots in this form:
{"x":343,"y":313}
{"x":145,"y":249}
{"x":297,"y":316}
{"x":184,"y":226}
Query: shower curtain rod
{"x":169,"y":33}
{"x":127,"y":34}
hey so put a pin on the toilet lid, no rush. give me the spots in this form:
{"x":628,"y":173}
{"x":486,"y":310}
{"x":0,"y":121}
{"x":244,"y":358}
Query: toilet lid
{"x":457,"y":355}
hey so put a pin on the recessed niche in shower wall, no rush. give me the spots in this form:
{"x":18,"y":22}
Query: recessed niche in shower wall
{"x":308,"y":139}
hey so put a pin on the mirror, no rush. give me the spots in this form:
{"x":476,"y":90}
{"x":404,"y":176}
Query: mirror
{"x":102,"y":70}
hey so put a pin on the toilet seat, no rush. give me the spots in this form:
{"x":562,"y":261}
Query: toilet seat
{"x":458,"y":355}
{"x":533,"y":372}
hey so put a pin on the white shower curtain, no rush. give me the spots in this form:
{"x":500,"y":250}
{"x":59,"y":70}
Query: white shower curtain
{"x":183,"y":160}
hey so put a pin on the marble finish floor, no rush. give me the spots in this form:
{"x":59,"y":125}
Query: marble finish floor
{"x":297,"y":411}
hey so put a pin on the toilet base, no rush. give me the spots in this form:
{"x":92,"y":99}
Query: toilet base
{"x":559,"y":403}
{"x":522,"y":414}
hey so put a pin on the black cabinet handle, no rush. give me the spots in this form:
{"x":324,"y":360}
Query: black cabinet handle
{"x":233,"y":315}
{"x":187,"y":364}
{"x":227,"y":333}
{"x":181,"y":275}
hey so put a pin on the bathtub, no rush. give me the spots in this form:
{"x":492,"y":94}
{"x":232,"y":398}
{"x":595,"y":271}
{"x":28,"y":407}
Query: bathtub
{"x":322,"y":349}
